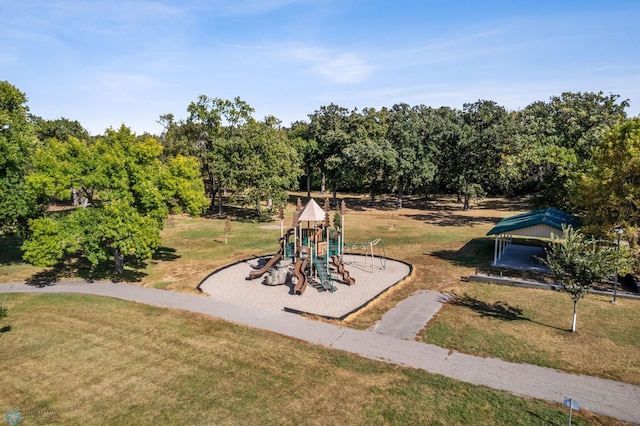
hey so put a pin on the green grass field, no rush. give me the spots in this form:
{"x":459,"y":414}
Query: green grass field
{"x":443,"y":243}
{"x":90,"y":360}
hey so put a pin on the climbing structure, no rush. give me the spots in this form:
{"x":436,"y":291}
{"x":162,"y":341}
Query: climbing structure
{"x":315,"y":248}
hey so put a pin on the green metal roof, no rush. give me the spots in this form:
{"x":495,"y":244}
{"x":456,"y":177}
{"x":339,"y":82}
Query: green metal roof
{"x":549,"y":216}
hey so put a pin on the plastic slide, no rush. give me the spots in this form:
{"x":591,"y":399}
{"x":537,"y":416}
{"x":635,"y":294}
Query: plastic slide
{"x":346,"y":277}
{"x":270,"y":263}
{"x":299,"y":271}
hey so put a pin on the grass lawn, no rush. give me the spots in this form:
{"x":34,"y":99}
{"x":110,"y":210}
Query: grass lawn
{"x":444,"y":244}
{"x":533,"y":326}
{"x":71,"y":359}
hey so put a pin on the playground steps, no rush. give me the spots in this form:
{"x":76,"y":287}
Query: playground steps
{"x":316,"y":284}
{"x":326,"y":281}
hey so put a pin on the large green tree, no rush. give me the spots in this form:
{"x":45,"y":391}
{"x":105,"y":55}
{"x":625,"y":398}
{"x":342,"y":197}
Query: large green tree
{"x":307,"y":148}
{"x":370,"y":157}
{"x":17,"y":145}
{"x":328,"y":126}
{"x":127,"y":192}
{"x":247,"y":159}
{"x":581,"y":117}
{"x":608,"y":193}
{"x":460,"y":159}
{"x":261,"y":163}
{"x":559,"y":136}
{"x":205,"y":134}
{"x":491,"y":144}
{"x":411,"y":133}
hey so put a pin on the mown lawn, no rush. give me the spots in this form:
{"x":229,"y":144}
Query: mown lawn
{"x":445,"y":245}
{"x":533,"y":326}
{"x":71,"y":359}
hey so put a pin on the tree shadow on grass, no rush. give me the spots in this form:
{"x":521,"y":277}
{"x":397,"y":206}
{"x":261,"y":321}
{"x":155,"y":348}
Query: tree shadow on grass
{"x":165,"y":254}
{"x":499,"y":310}
{"x":82,"y":268}
{"x":383,"y":202}
{"x":476,"y":253}
{"x":439,"y":218}
{"x":508,"y":204}
{"x":242,"y":214}
{"x":545,"y":421}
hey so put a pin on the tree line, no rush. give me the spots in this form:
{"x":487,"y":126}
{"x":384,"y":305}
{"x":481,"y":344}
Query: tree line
{"x":576,"y":151}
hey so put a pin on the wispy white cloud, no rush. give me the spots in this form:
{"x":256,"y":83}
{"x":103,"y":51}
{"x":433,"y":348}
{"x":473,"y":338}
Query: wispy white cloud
{"x":122,"y":87}
{"x":343,"y":69}
{"x":63,"y":15}
{"x":338,"y":68}
{"x":109,"y":61}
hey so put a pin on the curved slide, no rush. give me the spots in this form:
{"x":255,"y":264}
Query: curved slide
{"x":299,"y":271}
{"x":269,"y":264}
{"x":346,"y":277}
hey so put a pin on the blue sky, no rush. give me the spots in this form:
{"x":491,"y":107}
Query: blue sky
{"x":105,"y":63}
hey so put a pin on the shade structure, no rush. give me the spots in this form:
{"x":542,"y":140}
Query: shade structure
{"x":312,"y":212}
{"x":537,"y":224}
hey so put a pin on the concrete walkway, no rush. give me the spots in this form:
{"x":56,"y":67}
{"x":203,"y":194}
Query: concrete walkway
{"x":616,"y":399}
{"x":410,"y":316}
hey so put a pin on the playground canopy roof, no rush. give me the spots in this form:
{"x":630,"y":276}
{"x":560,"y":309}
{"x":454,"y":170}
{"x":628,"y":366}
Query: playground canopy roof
{"x":538,"y":223}
{"x":312,"y":212}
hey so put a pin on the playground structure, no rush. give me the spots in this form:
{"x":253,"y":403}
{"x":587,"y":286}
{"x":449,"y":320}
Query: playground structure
{"x":315,"y":248}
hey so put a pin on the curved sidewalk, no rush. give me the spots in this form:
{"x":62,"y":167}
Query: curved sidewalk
{"x":602,"y":396}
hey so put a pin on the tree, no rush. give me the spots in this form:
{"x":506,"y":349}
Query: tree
{"x":307,"y":147}
{"x":218,"y":121}
{"x":328,"y":127}
{"x":561,"y":134}
{"x":60,"y":128}
{"x":261,"y":163}
{"x":182,"y":187}
{"x":17,"y":144}
{"x":460,"y":156}
{"x":180,"y":137}
{"x":491,"y":145}
{"x":411,"y":131}
{"x":577,"y":263}
{"x":370,"y":157}
{"x":581,"y":117}
{"x":128,"y":193}
{"x":205,"y":134}
{"x":609,"y":191}
{"x":251,"y":159}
